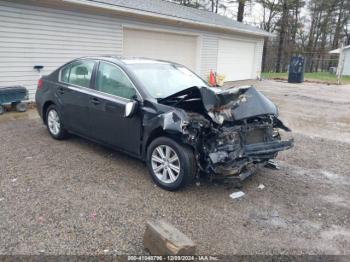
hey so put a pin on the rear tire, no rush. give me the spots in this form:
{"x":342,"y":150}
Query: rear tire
{"x":171,"y":165}
{"x":54,"y":123}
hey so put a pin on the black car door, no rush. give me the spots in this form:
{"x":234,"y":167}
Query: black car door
{"x":73,"y":93}
{"x":113,"y":90}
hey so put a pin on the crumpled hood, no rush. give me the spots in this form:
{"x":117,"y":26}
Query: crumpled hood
{"x":253,"y":103}
{"x":230,"y":104}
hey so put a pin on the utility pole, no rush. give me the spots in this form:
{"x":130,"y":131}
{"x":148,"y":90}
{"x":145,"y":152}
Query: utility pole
{"x":340,"y":63}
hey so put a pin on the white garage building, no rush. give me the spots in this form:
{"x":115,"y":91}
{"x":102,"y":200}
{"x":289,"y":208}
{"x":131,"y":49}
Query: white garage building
{"x":52,"y":32}
{"x":346,"y":61}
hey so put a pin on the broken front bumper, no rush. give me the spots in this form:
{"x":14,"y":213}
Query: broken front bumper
{"x":268,"y":148}
{"x":252,"y":157}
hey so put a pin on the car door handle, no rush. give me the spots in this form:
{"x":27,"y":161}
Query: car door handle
{"x":95,"y":101}
{"x":61,"y":90}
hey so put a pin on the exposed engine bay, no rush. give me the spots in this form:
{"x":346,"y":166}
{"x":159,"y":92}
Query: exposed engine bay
{"x":232,"y":132}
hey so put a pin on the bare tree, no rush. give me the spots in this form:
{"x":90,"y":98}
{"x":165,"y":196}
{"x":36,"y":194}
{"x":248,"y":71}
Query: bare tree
{"x":271,"y":12}
{"x":283,"y":28}
{"x":326,"y":24}
{"x":347,"y":34}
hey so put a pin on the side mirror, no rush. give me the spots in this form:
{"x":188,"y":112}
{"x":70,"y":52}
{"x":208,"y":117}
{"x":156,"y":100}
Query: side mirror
{"x":130,"y":108}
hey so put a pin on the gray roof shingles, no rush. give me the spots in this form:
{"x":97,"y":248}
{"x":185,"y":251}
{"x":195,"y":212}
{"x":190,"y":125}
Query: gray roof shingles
{"x":174,"y":10}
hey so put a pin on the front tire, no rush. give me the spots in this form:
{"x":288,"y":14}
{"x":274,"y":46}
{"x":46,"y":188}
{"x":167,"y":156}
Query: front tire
{"x":54,"y":123}
{"x":171,"y":165}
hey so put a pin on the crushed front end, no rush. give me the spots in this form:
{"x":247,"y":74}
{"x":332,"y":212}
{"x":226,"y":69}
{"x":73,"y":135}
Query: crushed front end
{"x":241,"y":146}
{"x":232,"y":132}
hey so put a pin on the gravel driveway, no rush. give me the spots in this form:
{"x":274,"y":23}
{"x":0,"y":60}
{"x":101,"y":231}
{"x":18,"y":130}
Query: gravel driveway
{"x":76,"y":197}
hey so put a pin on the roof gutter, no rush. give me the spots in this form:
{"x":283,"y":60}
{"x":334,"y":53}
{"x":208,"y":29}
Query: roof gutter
{"x":156,"y":15}
{"x":337,"y":51}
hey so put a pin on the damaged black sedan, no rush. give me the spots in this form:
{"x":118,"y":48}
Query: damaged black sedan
{"x":164,"y":114}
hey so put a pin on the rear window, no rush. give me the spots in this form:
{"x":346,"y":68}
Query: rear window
{"x":65,"y":74}
{"x":78,"y":73}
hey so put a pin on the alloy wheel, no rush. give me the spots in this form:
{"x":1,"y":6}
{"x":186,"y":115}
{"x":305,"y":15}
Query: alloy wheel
{"x":165,"y":164}
{"x":53,"y":122}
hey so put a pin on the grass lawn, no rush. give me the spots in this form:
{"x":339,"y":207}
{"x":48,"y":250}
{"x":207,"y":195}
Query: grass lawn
{"x":317,"y":77}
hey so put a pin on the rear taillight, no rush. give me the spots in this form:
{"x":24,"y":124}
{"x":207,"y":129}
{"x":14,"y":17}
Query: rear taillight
{"x":40,"y":84}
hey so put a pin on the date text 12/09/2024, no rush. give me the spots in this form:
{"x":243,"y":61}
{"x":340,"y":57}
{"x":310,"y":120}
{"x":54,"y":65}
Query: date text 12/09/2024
{"x":172,"y":258}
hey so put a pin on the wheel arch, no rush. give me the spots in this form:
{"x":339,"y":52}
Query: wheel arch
{"x":46,"y":105}
{"x":160,"y":132}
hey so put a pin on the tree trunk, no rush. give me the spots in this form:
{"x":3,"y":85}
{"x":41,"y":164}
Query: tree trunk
{"x":338,"y":26}
{"x":284,"y":21}
{"x":310,"y":44}
{"x":240,"y":14}
{"x":263,"y":66}
{"x":295,"y":28}
{"x":335,"y":43}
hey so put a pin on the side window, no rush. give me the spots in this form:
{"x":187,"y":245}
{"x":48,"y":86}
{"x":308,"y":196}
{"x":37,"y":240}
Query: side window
{"x":80,"y":73}
{"x":112,"y":80}
{"x":65,"y":74}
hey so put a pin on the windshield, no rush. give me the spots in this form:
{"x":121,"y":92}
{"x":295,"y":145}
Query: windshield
{"x":162,"y":79}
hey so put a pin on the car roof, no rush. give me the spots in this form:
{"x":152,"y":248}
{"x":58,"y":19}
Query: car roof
{"x":129,"y":60}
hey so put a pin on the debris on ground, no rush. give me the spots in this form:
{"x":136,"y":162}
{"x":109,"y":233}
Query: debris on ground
{"x":13,"y":179}
{"x":272,"y":164}
{"x":161,"y":238}
{"x":237,"y":194}
{"x":41,"y":220}
{"x":93,"y":216}
{"x":261,"y":186}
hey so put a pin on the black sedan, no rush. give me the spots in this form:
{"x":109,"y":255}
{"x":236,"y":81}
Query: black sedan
{"x":163,"y":114}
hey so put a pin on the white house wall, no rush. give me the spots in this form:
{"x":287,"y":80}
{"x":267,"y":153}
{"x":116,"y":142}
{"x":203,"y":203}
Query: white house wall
{"x":258,"y":56}
{"x":346,"y":68}
{"x":208,"y":53}
{"x":32,"y":35}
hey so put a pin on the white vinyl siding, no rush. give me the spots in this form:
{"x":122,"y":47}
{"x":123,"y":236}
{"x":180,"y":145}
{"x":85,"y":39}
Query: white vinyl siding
{"x":31,"y":35}
{"x":258,"y":58}
{"x":209,"y":54}
{"x":346,"y":68}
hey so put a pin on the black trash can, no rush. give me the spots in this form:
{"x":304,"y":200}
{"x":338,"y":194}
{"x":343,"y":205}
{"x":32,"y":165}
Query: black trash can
{"x":296,"y":69}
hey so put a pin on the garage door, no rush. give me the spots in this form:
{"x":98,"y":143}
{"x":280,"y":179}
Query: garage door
{"x":236,"y":59}
{"x":173,"y":47}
